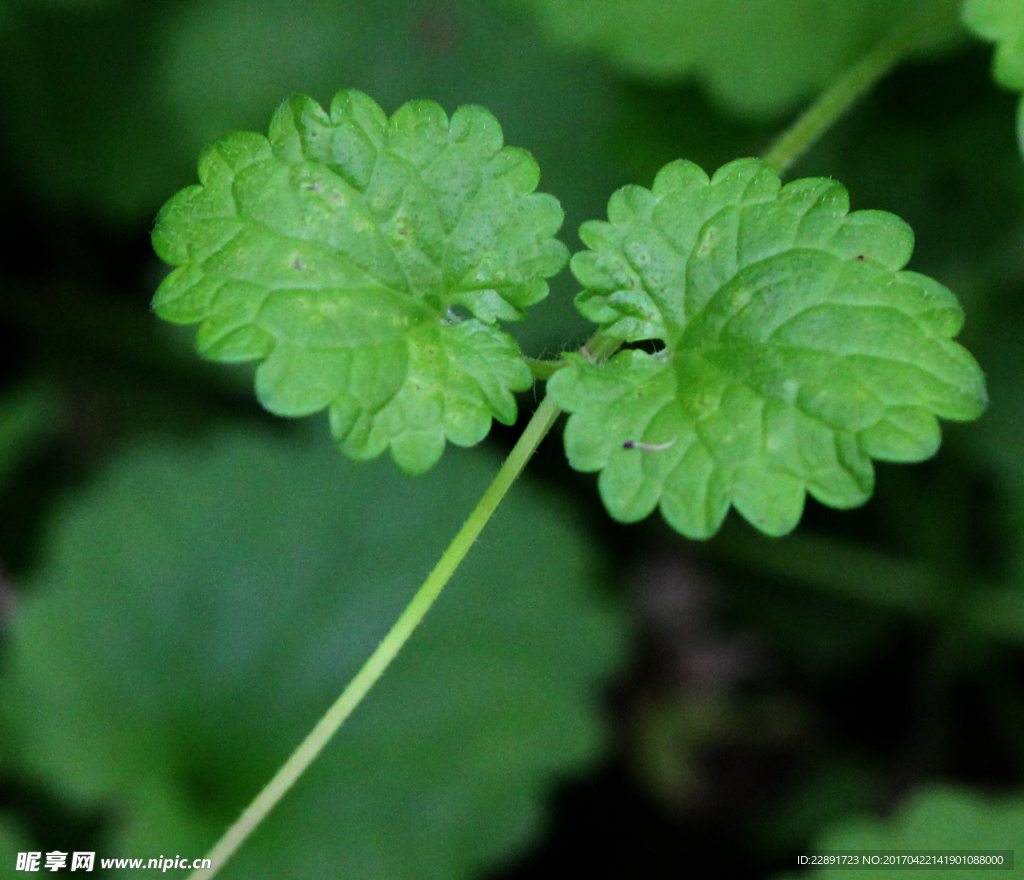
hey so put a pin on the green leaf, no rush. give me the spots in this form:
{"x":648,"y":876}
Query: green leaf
{"x":795,"y":350}
{"x":757,"y":58}
{"x":937,"y":817}
{"x":364,"y":261}
{"x":1002,"y":21}
{"x":199,"y":606}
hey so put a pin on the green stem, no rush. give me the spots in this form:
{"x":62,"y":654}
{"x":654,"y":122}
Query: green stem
{"x":851,"y":85}
{"x":599,"y":347}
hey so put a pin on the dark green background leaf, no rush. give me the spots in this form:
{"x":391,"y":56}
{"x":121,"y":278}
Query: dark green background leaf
{"x":201,"y":604}
{"x":26,"y":417}
{"x":1002,"y":21}
{"x":935,"y":818}
{"x":756,"y":57}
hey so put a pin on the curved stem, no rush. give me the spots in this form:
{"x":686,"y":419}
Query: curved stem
{"x":599,"y":347}
{"x":851,"y":85}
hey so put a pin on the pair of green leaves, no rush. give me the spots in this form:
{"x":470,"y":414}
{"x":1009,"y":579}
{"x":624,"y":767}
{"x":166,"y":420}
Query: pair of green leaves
{"x":366,"y":261}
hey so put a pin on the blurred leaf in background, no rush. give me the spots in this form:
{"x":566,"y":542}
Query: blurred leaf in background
{"x":756,"y":57}
{"x":933,"y":818}
{"x":199,"y":605}
{"x":1003,"y":22}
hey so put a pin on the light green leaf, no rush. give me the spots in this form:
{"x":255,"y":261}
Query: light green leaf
{"x":365,"y":261}
{"x":199,"y":606}
{"x":1002,"y":22}
{"x":934,"y":818}
{"x":795,"y":350}
{"x":756,"y":56}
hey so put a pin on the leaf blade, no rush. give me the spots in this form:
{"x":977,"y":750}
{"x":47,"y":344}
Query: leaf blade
{"x":794,"y":348}
{"x":327,"y":249}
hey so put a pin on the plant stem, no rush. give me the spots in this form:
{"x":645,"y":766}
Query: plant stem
{"x":599,"y":347}
{"x":851,"y":85}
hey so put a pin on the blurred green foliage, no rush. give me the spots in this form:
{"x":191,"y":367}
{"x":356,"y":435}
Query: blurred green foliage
{"x":26,"y":415}
{"x":1003,"y":22}
{"x":934,"y":818}
{"x":755,"y":57}
{"x":154,"y":668}
{"x":222,"y":591}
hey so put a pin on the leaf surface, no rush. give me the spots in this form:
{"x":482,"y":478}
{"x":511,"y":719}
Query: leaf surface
{"x":365,"y":262}
{"x":793,"y":350}
{"x":1002,"y":22}
{"x":199,"y":606}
